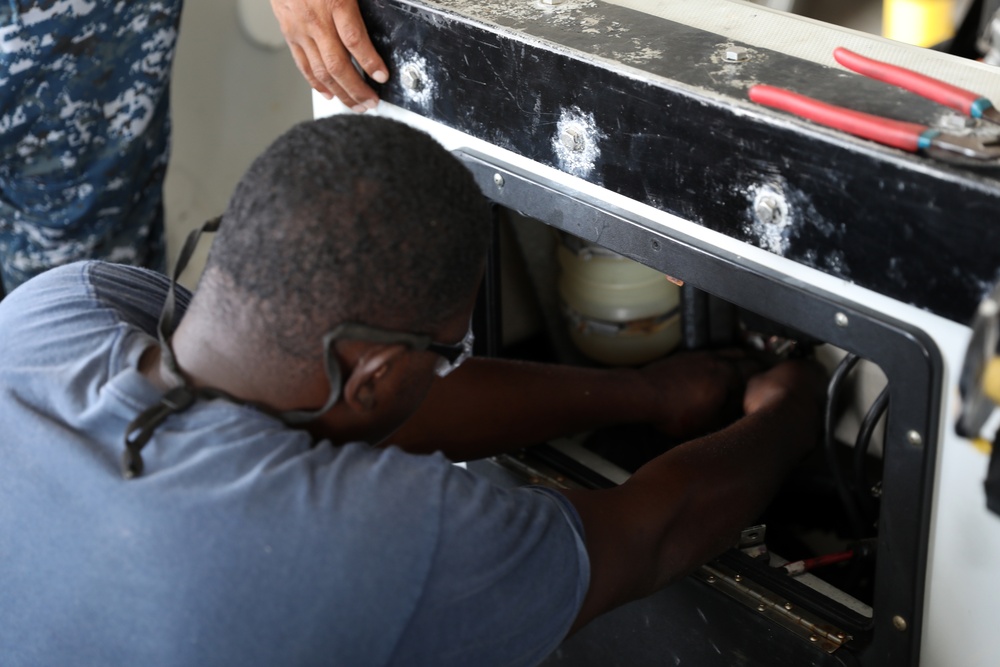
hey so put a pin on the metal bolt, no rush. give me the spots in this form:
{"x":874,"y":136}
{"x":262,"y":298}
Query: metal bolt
{"x":813,"y":638}
{"x":841,"y":320}
{"x":766,"y":209}
{"x":573,"y":139}
{"x":411,"y":78}
{"x":738,"y":578}
{"x":899,"y":623}
{"x":711,"y":579}
{"x":498,"y":180}
{"x":761,"y":607}
{"x":914,"y":438}
{"x":841,"y":636}
{"x":737,"y":54}
{"x":788,"y":606}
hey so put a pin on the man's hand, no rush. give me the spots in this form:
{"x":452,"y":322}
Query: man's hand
{"x":323,"y":35}
{"x":696,"y":392}
{"x":802,"y":380}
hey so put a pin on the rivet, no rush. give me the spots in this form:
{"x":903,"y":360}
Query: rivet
{"x":788,"y":606}
{"x":655,"y":244}
{"x":899,"y":623}
{"x":573,"y":139}
{"x":498,"y":180}
{"x":711,"y":578}
{"x":841,"y":320}
{"x":761,"y":607}
{"x":411,"y":78}
{"x":813,"y":638}
{"x":841,"y":636}
{"x":766,"y":210}
{"x":738,"y":577}
{"x":914,"y":438}
{"x":737,"y":54}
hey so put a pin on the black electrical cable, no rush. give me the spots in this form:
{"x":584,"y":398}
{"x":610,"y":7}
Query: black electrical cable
{"x":847,"y":499}
{"x":861,"y":488}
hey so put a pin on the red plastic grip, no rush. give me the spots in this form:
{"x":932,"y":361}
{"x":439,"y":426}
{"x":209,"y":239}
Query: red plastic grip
{"x":895,"y":133}
{"x":925,"y":86}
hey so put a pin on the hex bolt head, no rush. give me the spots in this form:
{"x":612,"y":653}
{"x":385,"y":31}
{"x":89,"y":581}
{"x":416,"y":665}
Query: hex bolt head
{"x":412,"y":78}
{"x":573,"y":139}
{"x":766,"y":209}
{"x":736,"y":54}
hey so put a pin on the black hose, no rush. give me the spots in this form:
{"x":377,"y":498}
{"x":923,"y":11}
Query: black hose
{"x":861,"y":488}
{"x":847,"y":499}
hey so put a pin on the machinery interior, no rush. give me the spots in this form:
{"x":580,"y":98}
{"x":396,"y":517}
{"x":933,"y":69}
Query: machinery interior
{"x":551,"y":296}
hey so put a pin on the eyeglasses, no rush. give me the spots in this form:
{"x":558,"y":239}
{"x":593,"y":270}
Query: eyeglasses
{"x":451,"y":355}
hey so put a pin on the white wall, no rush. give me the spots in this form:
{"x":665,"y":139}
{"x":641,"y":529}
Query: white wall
{"x":230,"y":99}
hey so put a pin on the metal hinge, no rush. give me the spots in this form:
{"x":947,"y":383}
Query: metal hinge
{"x":800,"y":622}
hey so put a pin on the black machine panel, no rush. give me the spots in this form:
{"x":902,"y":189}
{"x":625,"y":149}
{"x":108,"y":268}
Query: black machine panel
{"x":675,"y":130}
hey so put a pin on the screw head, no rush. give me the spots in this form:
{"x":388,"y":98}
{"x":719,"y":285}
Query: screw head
{"x":788,"y":606}
{"x":841,"y":320}
{"x":412,"y":79}
{"x":761,"y":607}
{"x":738,"y":577}
{"x":813,"y":638}
{"x":914,"y":438}
{"x":737,"y":54}
{"x":899,"y":623}
{"x":766,"y":209}
{"x":711,"y":579}
{"x":498,"y":180}
{"x":573,"y":139}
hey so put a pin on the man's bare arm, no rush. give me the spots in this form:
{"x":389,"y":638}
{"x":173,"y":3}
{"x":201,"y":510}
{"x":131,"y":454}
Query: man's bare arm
{"x":688,"y":505}
{"x":490,"y":406}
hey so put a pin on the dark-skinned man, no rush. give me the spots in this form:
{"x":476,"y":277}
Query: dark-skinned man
{"x":269,"y":481}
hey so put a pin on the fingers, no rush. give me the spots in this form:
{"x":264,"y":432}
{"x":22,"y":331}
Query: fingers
{"x":322,"y":36}
{"x":802,"y":379}
{"x":354,"y":37}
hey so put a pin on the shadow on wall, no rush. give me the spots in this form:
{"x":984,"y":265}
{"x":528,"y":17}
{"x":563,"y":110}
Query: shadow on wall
{"x":231,"y":96}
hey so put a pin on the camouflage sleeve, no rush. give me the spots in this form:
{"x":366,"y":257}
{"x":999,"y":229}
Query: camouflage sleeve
{"x":84,"y":131}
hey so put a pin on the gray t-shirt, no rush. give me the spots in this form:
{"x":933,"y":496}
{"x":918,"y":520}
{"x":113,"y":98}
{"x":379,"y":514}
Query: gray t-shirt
{"x":242,"y":543}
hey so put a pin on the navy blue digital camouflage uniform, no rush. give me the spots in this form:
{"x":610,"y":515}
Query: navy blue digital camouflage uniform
{"x":84,"y":131}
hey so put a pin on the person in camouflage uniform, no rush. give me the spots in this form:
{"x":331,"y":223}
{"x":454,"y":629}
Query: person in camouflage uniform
{"x":84,"y":131}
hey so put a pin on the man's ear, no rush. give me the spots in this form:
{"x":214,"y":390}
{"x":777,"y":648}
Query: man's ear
{"x":365,"y":383}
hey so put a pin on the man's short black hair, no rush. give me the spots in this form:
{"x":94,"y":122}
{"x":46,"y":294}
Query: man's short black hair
{"x":351,"y":218}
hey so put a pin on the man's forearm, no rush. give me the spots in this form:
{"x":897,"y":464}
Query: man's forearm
{"x":687,"y":505}
{"x":490,"y":406}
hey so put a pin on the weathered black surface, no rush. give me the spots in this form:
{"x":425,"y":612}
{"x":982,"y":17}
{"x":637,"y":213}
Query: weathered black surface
{"x":908,"y":357}
{"x":684,"y":138}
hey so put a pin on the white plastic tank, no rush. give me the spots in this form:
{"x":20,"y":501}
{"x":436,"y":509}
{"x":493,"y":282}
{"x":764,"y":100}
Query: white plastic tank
{"x":619,"y":312}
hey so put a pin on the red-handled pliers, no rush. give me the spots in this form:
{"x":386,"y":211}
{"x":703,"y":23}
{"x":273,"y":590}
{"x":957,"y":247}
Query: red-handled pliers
{"x":911,"y":137}
{"x":970,"y":103}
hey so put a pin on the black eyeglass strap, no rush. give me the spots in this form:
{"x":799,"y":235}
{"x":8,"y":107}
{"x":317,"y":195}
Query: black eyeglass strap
{"x":178,"y":399}
{"x":165,"y":326}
